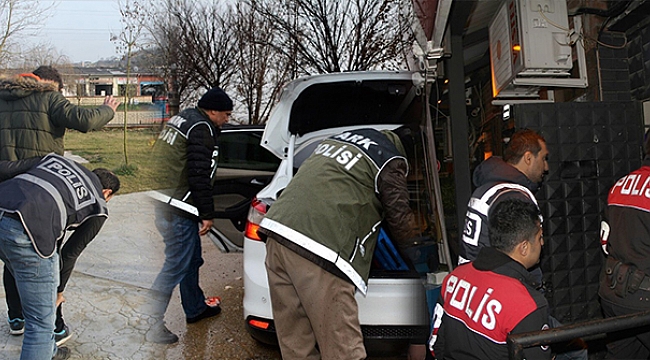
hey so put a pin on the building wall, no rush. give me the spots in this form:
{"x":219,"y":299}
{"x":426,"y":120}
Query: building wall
{"x":99,"y":100}
{"x":638,"y":53}
{"x":614,"y":67}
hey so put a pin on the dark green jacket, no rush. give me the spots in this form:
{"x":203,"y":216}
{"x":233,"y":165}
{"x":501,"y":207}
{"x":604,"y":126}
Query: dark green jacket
{"x":34,"y":116}
{"x":186,"y":158}
{"x":335,"y":204}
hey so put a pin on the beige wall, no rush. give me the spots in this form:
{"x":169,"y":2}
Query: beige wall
{"x":99,"y":100}
{"x":136,"y":118}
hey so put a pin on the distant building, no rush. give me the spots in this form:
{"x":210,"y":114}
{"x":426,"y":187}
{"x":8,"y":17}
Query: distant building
{"x":81,"y":82}
{"x":87,"y":86}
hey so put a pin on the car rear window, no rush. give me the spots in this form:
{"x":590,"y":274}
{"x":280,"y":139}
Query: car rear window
{"x":242,"y":150}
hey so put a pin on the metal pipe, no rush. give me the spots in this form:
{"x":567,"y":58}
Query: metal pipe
{"x":518,"y":342}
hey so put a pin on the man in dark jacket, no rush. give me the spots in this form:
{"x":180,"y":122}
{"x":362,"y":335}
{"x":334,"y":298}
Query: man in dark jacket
{"x":34,"y":116}
{"x":322,"y":233}
{"x":186,"y":151}
{"x":37,"y":207}
{"x":517,"y":175}
{"x":625,"y":236}
{"x":482,"y":302}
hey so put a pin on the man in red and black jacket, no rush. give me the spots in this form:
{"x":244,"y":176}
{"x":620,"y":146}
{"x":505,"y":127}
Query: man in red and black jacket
{"x":484,"y":301}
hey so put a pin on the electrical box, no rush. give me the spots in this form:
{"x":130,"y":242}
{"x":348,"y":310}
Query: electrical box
{"x":529,"y":38}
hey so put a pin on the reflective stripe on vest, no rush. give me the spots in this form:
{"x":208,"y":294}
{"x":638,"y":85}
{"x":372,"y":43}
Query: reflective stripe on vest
{"x":174,"y":202}
{"x":482,"y":206}
{"x":50,"y":190}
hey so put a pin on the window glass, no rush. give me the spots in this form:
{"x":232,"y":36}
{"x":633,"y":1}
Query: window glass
{"x":242,"y":150}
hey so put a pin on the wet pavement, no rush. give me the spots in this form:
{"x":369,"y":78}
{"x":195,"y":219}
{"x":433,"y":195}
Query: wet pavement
{"x":107,"y":291}
{"x":109,"y":286}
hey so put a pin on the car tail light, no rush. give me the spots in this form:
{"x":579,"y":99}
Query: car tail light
{"x":255,"y":215}
{"x":264,"y":325}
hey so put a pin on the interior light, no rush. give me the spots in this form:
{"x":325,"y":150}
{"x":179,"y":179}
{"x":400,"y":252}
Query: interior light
{"x":516,"y":47}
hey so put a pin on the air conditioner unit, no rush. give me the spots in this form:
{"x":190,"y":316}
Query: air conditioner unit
{"x":529,"y":38}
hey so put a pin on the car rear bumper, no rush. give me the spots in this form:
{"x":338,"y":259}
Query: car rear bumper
{"x":393,"y":313}
{"x":262,"y":330}
{"x":378,"y":340}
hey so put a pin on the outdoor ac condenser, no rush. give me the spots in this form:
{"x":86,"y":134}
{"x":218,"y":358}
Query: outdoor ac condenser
{"x":529,"y":38}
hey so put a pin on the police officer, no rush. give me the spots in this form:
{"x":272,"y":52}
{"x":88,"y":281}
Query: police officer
{"x":484,"y":301}
{"x":322,"y":233}
{"x":36,"y":209}
{"x":186,"y":152}
{"x":625,"y":237}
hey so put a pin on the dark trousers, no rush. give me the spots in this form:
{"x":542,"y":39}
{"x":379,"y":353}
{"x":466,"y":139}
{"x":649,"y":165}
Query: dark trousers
{"x":627,"y":344}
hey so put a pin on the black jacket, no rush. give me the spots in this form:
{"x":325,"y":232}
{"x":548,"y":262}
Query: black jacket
{"x":186,"y":153}
{"x":625,"y":236}
{"x":481,"y":303}
{"x":495,"y":180}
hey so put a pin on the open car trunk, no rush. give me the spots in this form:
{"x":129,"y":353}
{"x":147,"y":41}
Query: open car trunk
{"x":320,"y":106}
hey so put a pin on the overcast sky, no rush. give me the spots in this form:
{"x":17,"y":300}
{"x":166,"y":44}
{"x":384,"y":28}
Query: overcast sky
{"x":81,"y":29}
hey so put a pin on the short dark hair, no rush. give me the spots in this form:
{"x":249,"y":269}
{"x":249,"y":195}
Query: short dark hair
{"x":47,"y":72}
{"x":108,"y":179}
{"x":520,"y":142}
{"x":512,"y":221}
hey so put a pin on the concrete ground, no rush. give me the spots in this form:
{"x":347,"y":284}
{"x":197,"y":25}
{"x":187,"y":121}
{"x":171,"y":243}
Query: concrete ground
{"x":107,"y":291}
{"x":108,"y":288}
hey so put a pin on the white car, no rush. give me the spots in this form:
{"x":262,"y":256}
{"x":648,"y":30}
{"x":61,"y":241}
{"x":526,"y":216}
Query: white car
{"x":394,"y":311}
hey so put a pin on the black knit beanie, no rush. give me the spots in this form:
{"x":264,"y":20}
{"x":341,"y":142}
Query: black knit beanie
{"x":215,"y":99}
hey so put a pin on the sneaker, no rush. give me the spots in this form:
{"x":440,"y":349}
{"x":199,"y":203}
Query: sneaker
{"x":62,"y":353}
{"x":209,"y":311}
{"x":62,"y":336}
{"x":159,"y":334}
{"x":16,"y":326}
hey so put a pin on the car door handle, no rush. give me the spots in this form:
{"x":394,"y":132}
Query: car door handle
{"x":256,"y":182}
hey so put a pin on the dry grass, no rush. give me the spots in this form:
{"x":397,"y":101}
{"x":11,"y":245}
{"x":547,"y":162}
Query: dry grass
{"x":104,"y":148}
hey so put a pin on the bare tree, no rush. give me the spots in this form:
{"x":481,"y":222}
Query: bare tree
{"x":40,"y":54}
{"x":258,"y":81}
{"x":133,"y":18}
{"x":197,"y":44}
{"x":333,"y":36}
{"x":19,"y":18}
{"x":255,"y":46}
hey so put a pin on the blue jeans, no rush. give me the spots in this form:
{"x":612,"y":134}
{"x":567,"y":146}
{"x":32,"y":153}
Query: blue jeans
{"x":182,"y":262}
{"x":36,"y":279}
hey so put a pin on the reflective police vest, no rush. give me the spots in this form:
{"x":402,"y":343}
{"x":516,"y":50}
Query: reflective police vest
{"x":51,"y":197}
{"x":475,"y":233}
{"x":170,"y":153}
{"x":331,"y":208}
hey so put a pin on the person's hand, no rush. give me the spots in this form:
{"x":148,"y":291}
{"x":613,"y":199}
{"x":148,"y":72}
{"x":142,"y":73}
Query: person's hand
{"x":111,"y":102}
{"x":205,"y":226}
{"x":417,"y":352}
{"x":59,"y":299}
